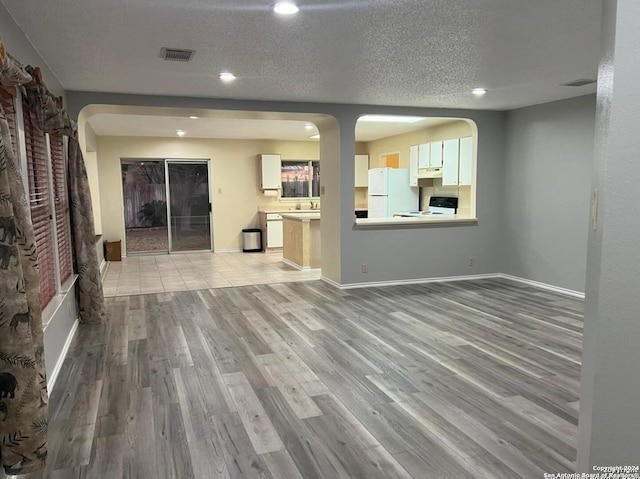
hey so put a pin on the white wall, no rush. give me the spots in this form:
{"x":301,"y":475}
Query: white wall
{"x":548,"y":171}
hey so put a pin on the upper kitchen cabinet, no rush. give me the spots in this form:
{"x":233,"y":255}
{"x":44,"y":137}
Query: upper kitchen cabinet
{"x":362,"y":171}
{"x":270,"y":178}
{"x":450,"y":156}
{"x":435,"y":159}
{"x":428,"y":160}
{"x":414,"y":161}
{"x":465,"y":164}
{"x":424,"y":155}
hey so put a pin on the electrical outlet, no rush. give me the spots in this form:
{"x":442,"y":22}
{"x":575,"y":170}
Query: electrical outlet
{"x":470,"y":261}
{"x":364,"y":267}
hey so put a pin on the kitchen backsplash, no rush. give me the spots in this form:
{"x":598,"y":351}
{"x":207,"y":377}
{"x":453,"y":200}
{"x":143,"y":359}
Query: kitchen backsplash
{"x":361,"y":200}
{"x":463,"y":193}
{"x":276,"y":203}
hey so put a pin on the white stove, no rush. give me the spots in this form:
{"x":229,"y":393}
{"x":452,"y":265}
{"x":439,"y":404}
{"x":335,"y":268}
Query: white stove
{"x":438,"y":205}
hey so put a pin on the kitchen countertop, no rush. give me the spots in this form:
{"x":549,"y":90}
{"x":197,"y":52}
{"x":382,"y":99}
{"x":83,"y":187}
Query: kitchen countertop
{"x":301,"y":215}
{"x":289,"y":210}
{"x":416,"y":221}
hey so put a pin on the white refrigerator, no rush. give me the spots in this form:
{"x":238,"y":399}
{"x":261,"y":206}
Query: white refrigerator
{"x":389,"y":192}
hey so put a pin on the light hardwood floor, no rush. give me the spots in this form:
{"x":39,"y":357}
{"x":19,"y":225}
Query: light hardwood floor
{"x":475,"y":379}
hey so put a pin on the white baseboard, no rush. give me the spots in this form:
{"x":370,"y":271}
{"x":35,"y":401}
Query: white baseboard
{"x":228,"y":251}
{"x":447,"y":279}
{"x":550,"y":287}
{"x":51,"y":380}
{"x":331,"y":282}
{"x":103,"y":265}
{"x":297,"y":266}
{"x":444,"y":279}
{"x":293,"y":265}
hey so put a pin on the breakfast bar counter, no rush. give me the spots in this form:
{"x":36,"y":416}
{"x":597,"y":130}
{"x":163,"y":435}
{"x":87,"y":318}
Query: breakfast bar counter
{"x":301,"y":240}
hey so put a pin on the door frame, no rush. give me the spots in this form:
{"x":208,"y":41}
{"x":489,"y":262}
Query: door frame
{"x":206,"y":161}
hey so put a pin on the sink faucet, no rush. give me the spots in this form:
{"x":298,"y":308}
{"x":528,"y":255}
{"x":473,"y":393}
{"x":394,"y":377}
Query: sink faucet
{"x":312,"y":207}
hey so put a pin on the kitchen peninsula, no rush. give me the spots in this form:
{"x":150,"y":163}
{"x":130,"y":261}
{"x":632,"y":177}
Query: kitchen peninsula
{"x":301,"y":239}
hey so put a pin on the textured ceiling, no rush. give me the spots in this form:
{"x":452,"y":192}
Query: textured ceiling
{"x":384,"y":52}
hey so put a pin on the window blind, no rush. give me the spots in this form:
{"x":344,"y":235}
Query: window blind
{"x":61,"y":198}
{"x":40,"y":201}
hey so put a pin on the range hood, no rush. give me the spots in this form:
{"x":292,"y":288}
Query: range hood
{"x":430,"y":173}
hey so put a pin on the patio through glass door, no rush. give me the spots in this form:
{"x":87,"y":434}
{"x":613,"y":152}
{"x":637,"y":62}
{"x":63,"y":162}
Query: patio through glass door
{"x":167,"y":206}
{"x":189,"y":205}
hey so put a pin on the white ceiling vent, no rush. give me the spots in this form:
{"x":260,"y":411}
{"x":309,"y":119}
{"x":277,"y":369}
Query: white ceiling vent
{"x":176,"y":54}
{"x":581,"y":82}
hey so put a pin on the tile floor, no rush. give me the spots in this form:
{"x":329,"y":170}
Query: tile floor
{"x":191,"y":271}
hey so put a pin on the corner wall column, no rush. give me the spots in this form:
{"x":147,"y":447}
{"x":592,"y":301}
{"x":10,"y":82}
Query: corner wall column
{"x":609,"y":427}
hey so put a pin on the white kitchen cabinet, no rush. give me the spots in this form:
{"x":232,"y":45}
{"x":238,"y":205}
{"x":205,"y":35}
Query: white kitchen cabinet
{"x":274,"y":233}
{"x":362,"y":171}
{"x":271,"y":226}
{"x":413,"y":165}
{"x":466,"y":161}
{"x":450,"y":156}
{"x":424,"y":155}
{"x":436,"y":152}
{"x":270,"y":168}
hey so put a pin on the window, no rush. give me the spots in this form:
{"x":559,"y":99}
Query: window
{"x":40,"y":201}
{"x":44,"y":165}
{"x":437,"y":158}
{"x":61,"y":199}
{"x":300,"y":179}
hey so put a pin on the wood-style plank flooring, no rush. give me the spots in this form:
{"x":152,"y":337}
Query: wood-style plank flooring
{"x":475,"y":379}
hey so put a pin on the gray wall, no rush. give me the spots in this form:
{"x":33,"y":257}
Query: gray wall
{"x":438,"y":251}
{"x":19,"y":46}
{"x":548,"y":173}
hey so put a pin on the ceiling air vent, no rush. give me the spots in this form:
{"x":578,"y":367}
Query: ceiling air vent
{"x":581,"y":82}
{"x":176,"y":54}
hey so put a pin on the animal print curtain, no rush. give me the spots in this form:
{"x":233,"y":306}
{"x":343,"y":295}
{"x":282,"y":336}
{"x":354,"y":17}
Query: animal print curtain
{"x":56,"y":120}
{"x":23,"y":383}
{"x":90,"y":294}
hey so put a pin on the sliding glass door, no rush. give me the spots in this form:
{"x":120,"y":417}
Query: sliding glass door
{"x":189,"y":205}
{"x":166,"y":205}
{"x":145,"y":206}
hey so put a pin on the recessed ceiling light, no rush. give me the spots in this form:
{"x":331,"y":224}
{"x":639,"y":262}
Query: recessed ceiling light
{"x":308,"y":126}
{"x":315,"y":137}
{"x":390,"y":118}
{"x":227,"y":77}
{"x":193,"y":117}
{"x":285,"y":8}
{"x":478,"y":91}
{"x":181,"y":132}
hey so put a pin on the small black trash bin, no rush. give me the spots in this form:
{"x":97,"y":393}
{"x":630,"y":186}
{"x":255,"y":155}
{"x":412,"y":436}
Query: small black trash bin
{"x":251,"y":240}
